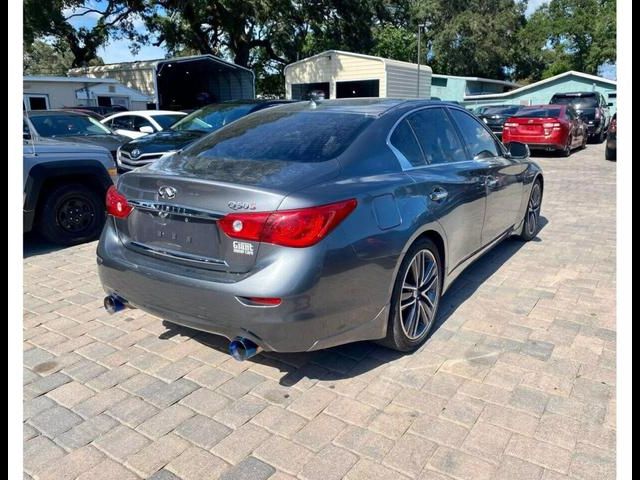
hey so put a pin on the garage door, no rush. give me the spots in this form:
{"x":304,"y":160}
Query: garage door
{"x":359,"y":88}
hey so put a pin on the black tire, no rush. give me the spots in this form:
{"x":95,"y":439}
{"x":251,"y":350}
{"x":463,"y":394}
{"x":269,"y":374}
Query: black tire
{"x":566,"y":151}
{"x":531,"y":225}
{"x":71,"y":214}
{"x":397,"y":337}
{"x":610,"y":154}
{"x":602,"y":136}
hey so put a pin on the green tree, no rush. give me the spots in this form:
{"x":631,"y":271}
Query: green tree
{"x":570,"y":35}
{"x":471,"y":37}
{"x":396,"y":42}
{"x":42,"y":58}
{"x":52,"y":19}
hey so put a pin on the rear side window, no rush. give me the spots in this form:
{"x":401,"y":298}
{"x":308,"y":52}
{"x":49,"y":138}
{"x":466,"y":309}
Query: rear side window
{"x":437,"y":136}
{"x":274,"y":134}
{"x":404,"y":140}
{"x":480,"y":142}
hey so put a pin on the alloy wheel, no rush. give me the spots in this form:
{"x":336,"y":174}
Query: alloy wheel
{"x":533,"y":209}
{"x":419,"y":296}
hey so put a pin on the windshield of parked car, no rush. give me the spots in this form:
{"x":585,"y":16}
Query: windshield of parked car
{"x":577,"y":101}
{"x":67,"y":125}
{"x":500,"y":111}
{"x":166,"y":120}
{"x":304,"y":137}
{"x":212,"y":118}
{"x":538,"y":112}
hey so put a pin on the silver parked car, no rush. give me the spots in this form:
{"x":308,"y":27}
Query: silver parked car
{"x":315,"y":224}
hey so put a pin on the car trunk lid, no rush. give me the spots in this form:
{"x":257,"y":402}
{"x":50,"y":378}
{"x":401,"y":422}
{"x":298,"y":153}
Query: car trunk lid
{"x":177,"y":209}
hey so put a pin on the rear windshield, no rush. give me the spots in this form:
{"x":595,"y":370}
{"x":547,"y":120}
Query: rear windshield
{"x":213,"y":117}
{"x":501,"y":110}
{"x":538,"y":112}
{"x":589,"y":101}
{"x":274,"y":134}
{"x":166,"y":120}
{"x":66,"y":125}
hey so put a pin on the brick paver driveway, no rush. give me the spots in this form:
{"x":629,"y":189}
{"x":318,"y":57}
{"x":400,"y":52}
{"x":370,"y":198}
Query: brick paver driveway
{"x":518,"y":381}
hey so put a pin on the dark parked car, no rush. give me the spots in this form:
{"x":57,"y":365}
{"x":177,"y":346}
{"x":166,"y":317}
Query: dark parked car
{"x":197,"y":124}
{"x":315,"y":224}
{"x":70,"y":126}
{"x":64,"y":187}
{"x":593,"y":109}
{"x":610,"y":150}
{"x":495,"y":116}
{"x":547,"y":127}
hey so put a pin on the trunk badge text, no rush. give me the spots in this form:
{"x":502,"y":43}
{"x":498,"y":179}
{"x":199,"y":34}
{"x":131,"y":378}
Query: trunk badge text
{"x":242,"y":205}
{"x":166,"y":192}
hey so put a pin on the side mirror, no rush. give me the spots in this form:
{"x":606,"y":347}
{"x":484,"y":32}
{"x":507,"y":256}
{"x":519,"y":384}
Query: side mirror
{"x":517,"y":150}
{"x":26,"y":135}
{"x":146,"y":129}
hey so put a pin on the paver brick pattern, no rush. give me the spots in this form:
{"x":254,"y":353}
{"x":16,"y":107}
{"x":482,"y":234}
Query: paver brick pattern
{"x":517,"y":381}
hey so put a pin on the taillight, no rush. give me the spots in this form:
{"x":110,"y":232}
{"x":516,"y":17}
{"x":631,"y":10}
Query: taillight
{"x":510,"y":124}
{"x":117,"y":204}
{"x":551,"y":125}
{"x":613,"y":125}
{"x":290,"y":228}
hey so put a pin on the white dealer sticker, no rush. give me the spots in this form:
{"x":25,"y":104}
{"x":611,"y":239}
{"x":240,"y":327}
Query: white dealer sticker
{"x":243,"y":247}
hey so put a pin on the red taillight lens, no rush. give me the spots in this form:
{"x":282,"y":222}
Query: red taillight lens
{"x":613,"y":125}
{"x":290,"y":228}
{"x":552,"y":125}
{"x":117,"y":204}
{"x":510,"y":124}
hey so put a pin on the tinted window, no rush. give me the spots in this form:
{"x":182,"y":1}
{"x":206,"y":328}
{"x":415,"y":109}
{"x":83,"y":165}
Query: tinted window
{"x":139,"y":122}
{"x":437,"y":136}
{"x":165,"y":121}
{"x":62,"y":125}
{"x":539,"y":112}
{"x":500,"y":110}
{"x":213,"y":117}
{"x":405,"y":141}
{"x":273,"y":134}
{"x":478,"y":139}
{"x":578,"y":101}
{"x":122,"y":123}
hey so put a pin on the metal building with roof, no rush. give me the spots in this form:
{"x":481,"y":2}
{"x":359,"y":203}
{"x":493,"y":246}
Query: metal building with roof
{"x":180,"y":83}
{"x":542,"y":91}
{"x":338,"y":74}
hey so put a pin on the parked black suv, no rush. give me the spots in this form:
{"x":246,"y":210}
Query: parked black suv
{"x":593,"y":109}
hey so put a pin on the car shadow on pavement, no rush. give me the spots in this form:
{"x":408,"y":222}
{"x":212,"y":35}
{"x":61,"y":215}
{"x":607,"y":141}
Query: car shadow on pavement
{"x":354,"y":359}
{"x":34,"y":245}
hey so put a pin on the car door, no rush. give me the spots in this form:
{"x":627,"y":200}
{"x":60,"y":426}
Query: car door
{"x":503,"y":176}
{"x":577,"y":127}
{"x":451,"y":185}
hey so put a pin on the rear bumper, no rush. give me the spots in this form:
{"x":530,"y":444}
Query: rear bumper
{"x":325,"y":299}
{"x":542,"y":143}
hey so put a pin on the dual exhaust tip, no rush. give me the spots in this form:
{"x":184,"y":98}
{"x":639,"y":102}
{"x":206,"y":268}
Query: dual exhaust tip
{"x":240,"y":348}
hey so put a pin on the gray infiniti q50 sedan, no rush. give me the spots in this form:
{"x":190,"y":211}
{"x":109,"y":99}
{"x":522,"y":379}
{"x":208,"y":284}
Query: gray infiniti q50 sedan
{"x":310,"y":225}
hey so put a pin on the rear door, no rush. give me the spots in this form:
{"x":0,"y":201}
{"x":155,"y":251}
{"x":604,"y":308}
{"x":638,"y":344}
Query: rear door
{"x":449,"y":182}
{"x":503,"y":177}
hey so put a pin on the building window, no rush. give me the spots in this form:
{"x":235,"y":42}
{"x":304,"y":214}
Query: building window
{"x":36,"y":102}
{"x":438,"y":82}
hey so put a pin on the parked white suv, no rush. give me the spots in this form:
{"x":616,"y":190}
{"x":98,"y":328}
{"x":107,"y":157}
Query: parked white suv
{"x":139,"y":123}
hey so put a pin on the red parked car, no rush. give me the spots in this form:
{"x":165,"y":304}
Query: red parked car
{"x":547,"y":127}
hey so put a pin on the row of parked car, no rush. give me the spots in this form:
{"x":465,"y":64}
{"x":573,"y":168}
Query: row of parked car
{"x":568,"y":122}
{"x":67,"y":170}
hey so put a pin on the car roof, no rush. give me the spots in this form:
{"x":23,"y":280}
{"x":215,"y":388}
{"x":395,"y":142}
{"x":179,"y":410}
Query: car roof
{"x":575,"y":94}
{"x":150,"y":113}
{"x":364,"y":106}
{"x":44,"y":113}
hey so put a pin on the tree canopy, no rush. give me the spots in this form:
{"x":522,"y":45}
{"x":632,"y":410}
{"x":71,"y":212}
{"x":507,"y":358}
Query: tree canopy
{"x":489,"y":38}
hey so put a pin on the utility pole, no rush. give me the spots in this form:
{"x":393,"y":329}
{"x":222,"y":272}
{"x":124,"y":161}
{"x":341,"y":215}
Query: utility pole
{"x":424,"y":25}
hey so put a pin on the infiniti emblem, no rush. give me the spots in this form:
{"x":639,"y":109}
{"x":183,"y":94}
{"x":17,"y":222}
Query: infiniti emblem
{"x":166,"y":192}
{"x":135,"y":152}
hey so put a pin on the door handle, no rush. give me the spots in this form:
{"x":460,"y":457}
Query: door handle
{"x":491,"y":182}
{"x":438,"y":194}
